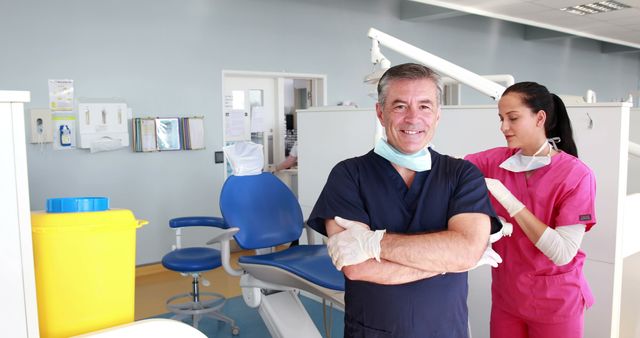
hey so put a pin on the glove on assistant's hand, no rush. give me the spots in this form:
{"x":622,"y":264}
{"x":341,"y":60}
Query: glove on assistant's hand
{"x":356,"y":244}
{"x":506,"y":230}
{"x":504,"y":196}
{"x":489,"y":257}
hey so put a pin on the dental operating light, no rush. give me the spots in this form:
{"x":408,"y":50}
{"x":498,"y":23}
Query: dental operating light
{"x":380,"y":64}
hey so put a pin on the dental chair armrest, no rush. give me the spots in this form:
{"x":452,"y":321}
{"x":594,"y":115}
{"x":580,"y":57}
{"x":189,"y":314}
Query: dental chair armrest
{"x":225,"y":250}
{"x":225,"y":235}
{"x":200,"y":221}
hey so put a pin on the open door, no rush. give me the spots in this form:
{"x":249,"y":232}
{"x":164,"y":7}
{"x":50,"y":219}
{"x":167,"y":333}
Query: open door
{"x":259,"y":107}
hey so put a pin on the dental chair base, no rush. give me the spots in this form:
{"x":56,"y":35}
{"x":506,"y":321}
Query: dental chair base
{"x":286,"y":317}
{"x":272,"y":283}
{"x":279,"y":305}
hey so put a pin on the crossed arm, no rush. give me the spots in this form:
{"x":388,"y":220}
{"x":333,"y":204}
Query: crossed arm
{"x":410,"y":257}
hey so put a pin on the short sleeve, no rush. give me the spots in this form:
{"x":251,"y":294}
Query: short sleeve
{"x":478,"y":160}
{"x":339,"y":197}
{"x":470,"y":195}
{"x":488,"y":161}
{"x":577,"y":205}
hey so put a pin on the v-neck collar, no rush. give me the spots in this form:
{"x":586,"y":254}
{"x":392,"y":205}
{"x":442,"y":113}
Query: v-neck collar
{"x":527,"y":183}
{"x":407,"y":194}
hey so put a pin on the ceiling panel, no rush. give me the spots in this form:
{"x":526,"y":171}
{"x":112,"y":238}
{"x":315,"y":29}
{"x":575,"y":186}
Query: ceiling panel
{"x":630,"y":20}
{"x":558,"y":3}
{"x":617,"y":27}
{"x":629,"y":13}
{"x":511,"y":8}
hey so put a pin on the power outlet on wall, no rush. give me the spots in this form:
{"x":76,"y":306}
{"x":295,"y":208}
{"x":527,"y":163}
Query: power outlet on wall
{"x":41,"y":126}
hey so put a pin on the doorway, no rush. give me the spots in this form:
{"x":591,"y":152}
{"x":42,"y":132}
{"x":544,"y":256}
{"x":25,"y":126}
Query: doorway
{"x":260,"y":107}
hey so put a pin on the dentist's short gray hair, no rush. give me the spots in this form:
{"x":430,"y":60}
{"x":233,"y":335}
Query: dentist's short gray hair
{"x":408,"y":71}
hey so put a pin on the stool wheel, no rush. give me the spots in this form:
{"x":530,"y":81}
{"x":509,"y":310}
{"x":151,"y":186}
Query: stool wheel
{"x":235,"y":331}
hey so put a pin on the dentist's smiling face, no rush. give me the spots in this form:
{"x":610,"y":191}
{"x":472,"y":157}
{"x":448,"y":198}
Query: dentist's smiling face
{"x":410,"y":114}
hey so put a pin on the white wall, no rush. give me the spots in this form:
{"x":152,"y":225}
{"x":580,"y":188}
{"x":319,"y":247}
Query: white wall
{"x":633,"y":184}
{"x":165,"y":58}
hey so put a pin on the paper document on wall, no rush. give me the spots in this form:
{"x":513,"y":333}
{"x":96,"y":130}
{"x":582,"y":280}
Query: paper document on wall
{"x":228,"y":102}
{"x":196,"y":127}
{"x":192,"y":129}
{"x":168,"y":133}
{"x":148,"y":134}
{"x":60,"y":95}
{"x":236,"y":125}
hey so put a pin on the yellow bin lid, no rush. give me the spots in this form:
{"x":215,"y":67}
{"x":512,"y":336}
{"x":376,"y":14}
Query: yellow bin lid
{"x":82,"y":214}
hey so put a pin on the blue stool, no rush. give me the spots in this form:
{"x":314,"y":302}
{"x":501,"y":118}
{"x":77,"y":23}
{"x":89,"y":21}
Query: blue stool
{"x":193,"y":261}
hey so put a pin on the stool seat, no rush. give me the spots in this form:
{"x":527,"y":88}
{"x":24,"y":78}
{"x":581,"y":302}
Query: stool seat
{"x":192,"y":259}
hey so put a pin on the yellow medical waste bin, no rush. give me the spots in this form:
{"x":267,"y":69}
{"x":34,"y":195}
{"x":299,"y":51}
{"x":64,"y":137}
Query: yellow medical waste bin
{"x":84,"y":257}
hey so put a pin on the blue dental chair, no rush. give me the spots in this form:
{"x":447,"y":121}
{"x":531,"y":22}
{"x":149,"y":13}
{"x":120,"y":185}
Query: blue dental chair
{"x":261,"y":213}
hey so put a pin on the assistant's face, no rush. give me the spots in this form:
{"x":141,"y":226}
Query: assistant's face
{"x":410,"y":114}
{"x":522,"y":127}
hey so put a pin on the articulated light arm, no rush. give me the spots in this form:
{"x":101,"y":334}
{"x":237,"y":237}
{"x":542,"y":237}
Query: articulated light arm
{"x":440,"y":65}
{"x":444,"y":67}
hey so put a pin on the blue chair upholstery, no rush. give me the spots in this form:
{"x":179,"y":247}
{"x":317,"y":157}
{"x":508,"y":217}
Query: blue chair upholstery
{"x":307,"y":261}
{"x":268,"y":214}
{"x":265,"y":210}
{"x":194,"y":261}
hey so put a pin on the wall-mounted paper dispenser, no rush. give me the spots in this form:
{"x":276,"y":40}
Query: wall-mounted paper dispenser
{"x":102,"y":121}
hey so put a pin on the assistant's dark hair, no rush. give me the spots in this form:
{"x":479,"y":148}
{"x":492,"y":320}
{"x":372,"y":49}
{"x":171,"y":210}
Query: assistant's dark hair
{"x":408,"y":71}
{"x":537,"y":97}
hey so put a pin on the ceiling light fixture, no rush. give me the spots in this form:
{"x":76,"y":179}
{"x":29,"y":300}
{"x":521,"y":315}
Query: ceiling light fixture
{"x":595,"y":8}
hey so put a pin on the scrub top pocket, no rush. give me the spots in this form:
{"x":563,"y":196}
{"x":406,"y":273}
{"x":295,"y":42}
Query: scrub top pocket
{"x":556,"y":298}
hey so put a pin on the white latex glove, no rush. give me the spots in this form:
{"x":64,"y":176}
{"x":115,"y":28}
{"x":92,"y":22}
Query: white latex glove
{"x":489,"y":257}
{"x":356,"y":244}
{"x":506,"y":230}
{"x":504,"y":196}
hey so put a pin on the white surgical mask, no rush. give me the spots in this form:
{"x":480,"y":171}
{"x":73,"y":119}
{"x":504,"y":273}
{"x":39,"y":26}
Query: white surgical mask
{"x":419,"y":161}
{"x":519,"y":163}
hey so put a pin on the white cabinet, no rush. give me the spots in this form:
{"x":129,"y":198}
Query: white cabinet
{"x":17,"y":285}
{"x":326,"y":136}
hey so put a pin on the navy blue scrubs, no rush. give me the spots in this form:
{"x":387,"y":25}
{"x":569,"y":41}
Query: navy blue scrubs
{"x":368,"y":189}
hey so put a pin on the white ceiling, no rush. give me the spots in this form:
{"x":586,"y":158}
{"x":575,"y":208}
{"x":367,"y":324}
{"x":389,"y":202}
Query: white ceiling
{"x":620,"y":27}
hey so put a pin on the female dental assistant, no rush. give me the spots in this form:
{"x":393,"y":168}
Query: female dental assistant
{"x":548,"y":194}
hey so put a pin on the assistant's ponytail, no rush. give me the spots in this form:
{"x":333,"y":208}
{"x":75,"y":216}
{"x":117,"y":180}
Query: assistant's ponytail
{"x":558,"y":124}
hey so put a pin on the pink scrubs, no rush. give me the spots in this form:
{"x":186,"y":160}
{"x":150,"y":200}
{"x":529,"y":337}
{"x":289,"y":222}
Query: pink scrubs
{"x":528,"y":289}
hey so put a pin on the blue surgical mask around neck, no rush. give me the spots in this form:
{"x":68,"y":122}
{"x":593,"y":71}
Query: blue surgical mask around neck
{"x":419,"y":161}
